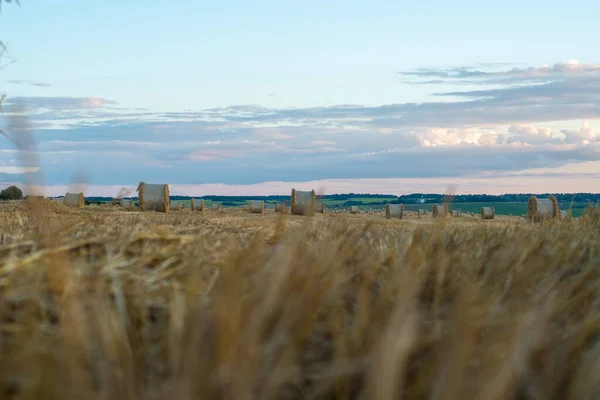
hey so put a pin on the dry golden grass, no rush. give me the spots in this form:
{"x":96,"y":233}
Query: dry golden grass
{"x":107,"y":304}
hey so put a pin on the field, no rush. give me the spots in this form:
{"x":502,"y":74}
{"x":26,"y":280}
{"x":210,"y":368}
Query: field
{"x":118,"y":304}
{"x":501,"y":208}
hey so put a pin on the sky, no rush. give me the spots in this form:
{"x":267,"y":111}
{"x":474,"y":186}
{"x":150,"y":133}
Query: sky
{"x":248,"y":98}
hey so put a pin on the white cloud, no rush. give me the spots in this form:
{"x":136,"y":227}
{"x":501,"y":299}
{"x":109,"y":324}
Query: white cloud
{"x":17,"y":170}
{"x":530,"y":135}
{"x":585,"y":134}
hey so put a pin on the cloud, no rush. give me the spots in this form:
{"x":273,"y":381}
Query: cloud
{"x":491,"y":132}
{"x":17,"y":170}
{"x":478,"y":76}
{"x":59,"y":103}
{"x":585,"y":134}
{"x":531,"y":135}
{"x":27,"y":82}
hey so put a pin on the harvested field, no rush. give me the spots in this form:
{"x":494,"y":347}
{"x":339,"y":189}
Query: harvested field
{"x":110,"y":304}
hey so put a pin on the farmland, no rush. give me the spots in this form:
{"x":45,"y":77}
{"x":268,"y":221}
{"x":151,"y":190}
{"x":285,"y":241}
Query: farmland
{"x":121,"y":304}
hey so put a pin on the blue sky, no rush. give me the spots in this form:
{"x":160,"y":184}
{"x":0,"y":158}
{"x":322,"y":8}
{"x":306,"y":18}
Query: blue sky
{"x":252,"y":97}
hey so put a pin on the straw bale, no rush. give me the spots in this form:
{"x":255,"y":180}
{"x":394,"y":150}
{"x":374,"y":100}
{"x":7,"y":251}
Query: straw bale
{"x":455,"y":213}
{"x":74,"y":200}
{"x":440,"y":210}
{"x":488,"y":213}
{"x":215,"y":206}
{"x":153,"y":197}
{"x":354,"y":210}
{"x":197,"y":205}
{"x":175,"y":205}
{"x":279,"y":207}
{"x":422,"y":211}
{"x":394,"y":211}
{"x":320,"y":208}
{"x":542,"y":209}
{"x":257,"y":206}
{"x":565,"y":214}
{"x":303,"y":202}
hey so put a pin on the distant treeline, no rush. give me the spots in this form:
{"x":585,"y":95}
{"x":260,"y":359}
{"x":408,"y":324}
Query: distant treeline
{"x":355,"y":198}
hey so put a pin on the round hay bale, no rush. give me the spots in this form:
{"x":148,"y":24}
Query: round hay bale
{"x":354,"y":210}
{"x":566,"y":214}
{"x":74,"y":200}
{"x":422,"y":211}
{"x":542,"y":209}
{"x":153,"y":197}
{"x":440,"y":210}
{"x":455,"y":213}
{"x":175,"y":204}
{"x":257,"y":206}
{"x":279,"y":207}
{"x":303,"y":202}
{"x":394,"y":211}
{"x":197,"y":205}
{"x":488,"y":213}
{"x":215,"y":206}
{"x":320,"y":208}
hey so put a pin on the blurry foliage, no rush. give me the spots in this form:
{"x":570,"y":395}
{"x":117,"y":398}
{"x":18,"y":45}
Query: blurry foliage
{"x":11,"y":193}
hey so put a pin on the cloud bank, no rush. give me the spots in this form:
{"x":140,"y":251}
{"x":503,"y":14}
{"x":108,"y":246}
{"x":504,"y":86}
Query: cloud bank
{"x":506,"y":122}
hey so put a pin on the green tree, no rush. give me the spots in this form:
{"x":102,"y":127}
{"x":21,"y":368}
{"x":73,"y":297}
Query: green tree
{"x":11,"y":193}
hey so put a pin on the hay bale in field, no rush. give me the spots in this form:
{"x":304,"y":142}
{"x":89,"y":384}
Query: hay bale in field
{"x":153,"y":197}
{"x":197,"y":205}
{"x":455,"y":213}
{"x":74,"y":200}
{"x":422,"y":211}
{"x":541,"y":209}
{"x":440,"y":210}
{"x":354,"y":210}
{"x":320,"y":208}
{"x":488,"y":213}
{"x":280,"y":207}
{"x":257,"y":206}
{"x":394,"y":211}
{"x":303,"y":202}
{"x":565,"y":214}
{"x":215,"y":207}
{"x":175,"y":205}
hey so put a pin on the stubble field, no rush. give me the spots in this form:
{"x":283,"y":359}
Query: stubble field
{"x":105,"y":304}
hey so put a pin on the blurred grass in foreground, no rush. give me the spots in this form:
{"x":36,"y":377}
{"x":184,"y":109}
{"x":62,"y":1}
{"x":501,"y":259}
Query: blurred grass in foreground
{"x":126,"y":305}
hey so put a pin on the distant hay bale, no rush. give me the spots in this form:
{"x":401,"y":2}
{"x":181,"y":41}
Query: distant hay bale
{"x":175,"y":205}
{"x":320,"y":208}
{"x":488,"y":213}
{"x":246,"y":207}
{"x":197,"y":205}
{"x":455,"y":213}
{"x":215,"y":206}
{"x":303,"y":202}
{"x":542,"y":209}
{"x":422,"y":211}
{"x":354,"y":210}
{"x":440,"y":210}
{"x":565,"y":214}
{"x":74,"y":200}
{"x":279,"y":207}
{"x":257,"y":206}
{"x":394,"y":211}
{"x":153,"y":197}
